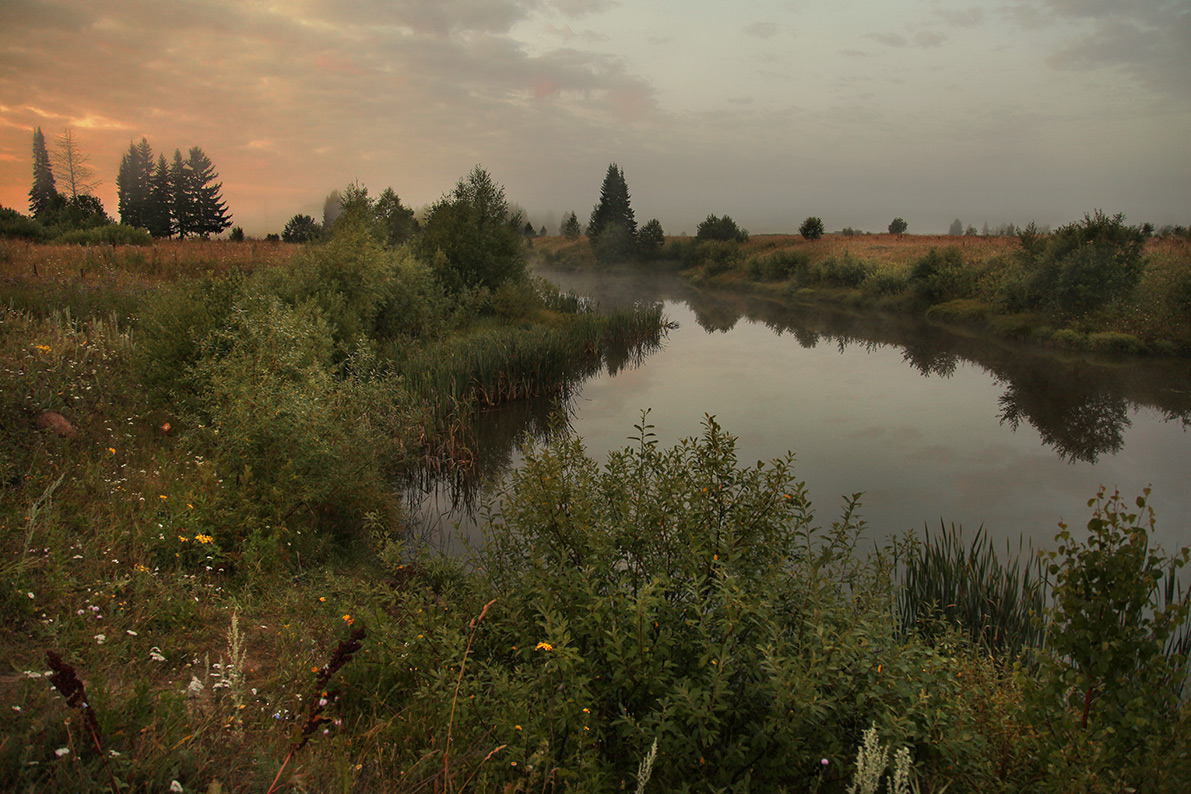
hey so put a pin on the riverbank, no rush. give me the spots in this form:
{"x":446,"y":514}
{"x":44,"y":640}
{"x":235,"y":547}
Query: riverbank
{"x":974,"y":282}
{"x":207,"y":585}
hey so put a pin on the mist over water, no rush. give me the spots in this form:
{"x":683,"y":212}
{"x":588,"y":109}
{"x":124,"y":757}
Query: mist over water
{"x":928,"y":424}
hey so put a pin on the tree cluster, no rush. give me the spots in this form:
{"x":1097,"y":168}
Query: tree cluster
{"x":76,"y":207}
{"x":612,"y":227}
{"x":178,"y":198}
{"x":724,"y":229}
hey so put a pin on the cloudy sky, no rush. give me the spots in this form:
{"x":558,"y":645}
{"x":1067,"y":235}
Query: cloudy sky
{"x":766,"y":110}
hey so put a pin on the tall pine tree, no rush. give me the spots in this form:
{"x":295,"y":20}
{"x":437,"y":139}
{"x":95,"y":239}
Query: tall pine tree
{"x":614,"y":207}
{"x":181,"y":205}
{"x":134,"y":185}
{"x":43,"y":196}
{"x":208,"y":210}
{"x":160,"y":217}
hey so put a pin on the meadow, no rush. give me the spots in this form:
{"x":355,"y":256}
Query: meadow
{"x":206,"y":582}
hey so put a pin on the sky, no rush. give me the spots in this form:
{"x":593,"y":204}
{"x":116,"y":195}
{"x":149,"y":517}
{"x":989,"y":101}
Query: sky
{"x":765,"y":110}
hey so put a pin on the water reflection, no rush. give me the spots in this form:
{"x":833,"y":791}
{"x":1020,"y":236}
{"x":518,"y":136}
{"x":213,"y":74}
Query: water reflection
{"x":1080,"y":407}
{"x":1078,"y":404}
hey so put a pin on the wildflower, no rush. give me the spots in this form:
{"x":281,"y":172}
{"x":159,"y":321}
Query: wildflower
{"x":204,"y":539}
{"x":130,"y":632}
{"x":824,"y":762}
{"x":515,"y":727}
{"x":112,"y":450}
{"x":100,"y":639}
{"x":322,"y":598}
{"x":348,"y":619}
{"x":162,"y":496}
{"x":183,"y":538}
{"x":544,"y":646}
{"x":62,"y":751}
{"x":155,"y":654}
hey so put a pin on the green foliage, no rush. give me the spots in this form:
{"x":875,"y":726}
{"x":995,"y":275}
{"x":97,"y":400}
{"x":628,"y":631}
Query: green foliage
{"x":941,"y":276}
{"x":301,"y":229}
{"x":205,"y":211}
{"x":679,"y":596}
{"x":651,"y":239}
{"x":615,"y":243}
{"x":236,"y":235}
{"x":947,"y":582}
{"x":722,"y":229}
{"x":477,"y":234}
{"x":846,"y":272}
{"x":1105,"y":674}
{"x":109,"y":234}
{"x":1081,"y":267}
{"x":14,"y":224}
{"x":717,"y":256}
{"x":898,"y":226}
{"x":778,"y":265}
{"x":570,"y":227}
{"x":811,"y":228}
{"x":615,"y":208}
{"x":362,"y":289}
{"x":956,"y":228}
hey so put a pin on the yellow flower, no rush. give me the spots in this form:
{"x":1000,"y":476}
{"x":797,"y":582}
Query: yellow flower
{"x":322,"y":598}
{"x":516,"y":727}
{"x":183,"y":538}
{"x":203,"y":538}
{"x":348,"y":619}
{"x":544,"y":646}
{"x":112,"y":450}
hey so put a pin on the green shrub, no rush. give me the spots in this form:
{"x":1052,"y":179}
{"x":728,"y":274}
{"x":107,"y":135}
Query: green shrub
{"x":1106,"y":682}
{"x":673,"y":595}
{"x":960,"y":310}
{"x":1114,"y":342}
{"x":110,"y":234}
{"x":1069,"y":338}
{"x":717,"y":256}
{"x":941,"y":276}
{"x":1082,"y":266}
{"x":848,"y":272}
{"x":778,"y":266}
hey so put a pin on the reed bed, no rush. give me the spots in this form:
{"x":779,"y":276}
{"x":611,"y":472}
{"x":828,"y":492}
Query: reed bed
{"x":950,"y":581}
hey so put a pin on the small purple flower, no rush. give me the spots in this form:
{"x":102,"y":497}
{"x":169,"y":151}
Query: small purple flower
{"x":824,"y":762}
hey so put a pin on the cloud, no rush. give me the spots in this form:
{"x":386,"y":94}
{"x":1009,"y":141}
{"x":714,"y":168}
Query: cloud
{"x":761,"y":30}
{"x":962,"y":17}
{"x":927,"y":39}
{"x":1149,"y":40}
{"x":889,"y":39}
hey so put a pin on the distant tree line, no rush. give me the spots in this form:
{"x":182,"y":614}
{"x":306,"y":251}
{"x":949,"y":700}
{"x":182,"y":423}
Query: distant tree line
{"x":163,"y":200}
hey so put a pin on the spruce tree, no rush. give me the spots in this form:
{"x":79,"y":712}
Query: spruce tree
{"x":160,"y":216}
{"x":181,"y":204}
{"x":570,"y":227}
{"x":43,"y":196}
{"x":209,"y":210}
{"x":134,"y":185}
{"x":614,"y":207}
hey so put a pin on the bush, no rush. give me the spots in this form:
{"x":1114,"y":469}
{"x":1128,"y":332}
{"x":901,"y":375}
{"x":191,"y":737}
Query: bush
{"x":811,"y":228}
{"x":111,"y":234}
{"x":941,"y":276}
{"x":848,"y":272}
{"x":1114,"y":342}
{"x":717,"y":256}
{"x":778,"y":266}
{"x":1082,"y":266}
{"x":1108,"y":681}
{"x":721,"y":229}
{"x":301,"y":229}
{"x":14,"y":224}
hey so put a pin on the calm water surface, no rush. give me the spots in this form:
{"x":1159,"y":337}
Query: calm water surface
{"x":929,"y":425}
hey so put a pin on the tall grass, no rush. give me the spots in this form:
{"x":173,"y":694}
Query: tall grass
{"x":950,"y":582}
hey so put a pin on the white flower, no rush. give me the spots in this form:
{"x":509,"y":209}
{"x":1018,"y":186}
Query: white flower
{"x":100,"y":639}
{"x":130,"y":632}
{"x":30,"y":595}
{"x":155,"y":654}
{"x":61,"y":751}
{"x":194,"y":688}
{"x":175,"y":786}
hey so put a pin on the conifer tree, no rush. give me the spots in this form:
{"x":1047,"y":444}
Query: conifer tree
{"x":160,"y":217}
{"x":181,"y":207}
{"x":134,"y":184}
{"x":208,"y":210}
{"x":614,"y":207}
{"x":570,"y":227}
{"x":43,"y":196}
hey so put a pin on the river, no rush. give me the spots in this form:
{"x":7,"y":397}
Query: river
{"x":930,"y":425}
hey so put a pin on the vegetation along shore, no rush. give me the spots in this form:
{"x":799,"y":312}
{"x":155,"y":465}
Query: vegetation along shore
{"x":207,"y":583}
